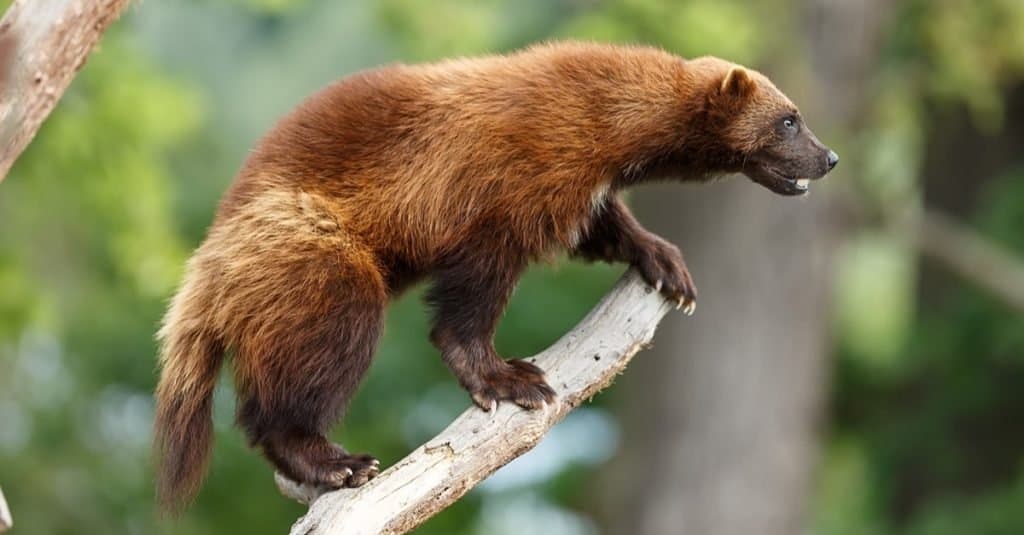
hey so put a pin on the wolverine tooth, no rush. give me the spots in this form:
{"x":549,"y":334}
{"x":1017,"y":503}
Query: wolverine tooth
{"x":803,"y":183}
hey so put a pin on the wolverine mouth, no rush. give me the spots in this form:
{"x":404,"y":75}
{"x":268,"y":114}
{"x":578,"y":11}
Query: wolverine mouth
{"x":779,"y":182}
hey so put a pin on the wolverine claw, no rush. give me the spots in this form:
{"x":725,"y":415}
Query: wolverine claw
{"x":517,"y":381}
{"x":657,"y":286}
{"x":353,"y":470}
{"x":691,"y":307}
{"x":339,"y":477}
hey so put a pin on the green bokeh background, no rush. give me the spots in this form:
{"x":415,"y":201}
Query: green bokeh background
{"x":926,"y":432}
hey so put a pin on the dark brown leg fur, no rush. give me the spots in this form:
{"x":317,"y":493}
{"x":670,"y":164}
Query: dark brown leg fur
{"x":323,"y":371}
{"x":616,"y":236}
{"x":468,"y":297}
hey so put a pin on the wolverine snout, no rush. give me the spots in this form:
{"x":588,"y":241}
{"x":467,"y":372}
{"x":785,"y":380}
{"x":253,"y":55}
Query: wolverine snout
{"x":831,"y":159}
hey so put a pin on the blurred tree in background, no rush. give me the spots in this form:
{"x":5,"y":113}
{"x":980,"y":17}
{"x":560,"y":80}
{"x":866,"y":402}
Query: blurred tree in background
{"x":923,"y":431}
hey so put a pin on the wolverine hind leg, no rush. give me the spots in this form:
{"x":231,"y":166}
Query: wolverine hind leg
{"x":301,"y":381}
{"x":304,"y":311}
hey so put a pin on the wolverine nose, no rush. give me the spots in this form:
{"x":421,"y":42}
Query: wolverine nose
{"x":832,"y":159}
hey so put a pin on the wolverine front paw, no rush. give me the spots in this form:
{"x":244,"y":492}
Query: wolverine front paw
{"x":517,"y":381}
{"x":661,"y":265}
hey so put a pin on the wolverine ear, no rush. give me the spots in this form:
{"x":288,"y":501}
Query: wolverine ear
{"x":737,"y":83}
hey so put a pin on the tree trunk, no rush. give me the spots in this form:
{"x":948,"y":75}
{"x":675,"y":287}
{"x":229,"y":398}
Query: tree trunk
{"x":960,"y":161}
{"x":738,"y":390}
{"x":739,"y":386}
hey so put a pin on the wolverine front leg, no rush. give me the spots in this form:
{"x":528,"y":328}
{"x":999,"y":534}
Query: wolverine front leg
{"x":616,"y":236}
{"x":468,"y":297}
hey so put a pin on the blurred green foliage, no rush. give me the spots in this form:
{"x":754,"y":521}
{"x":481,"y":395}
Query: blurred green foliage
{"x":99,"y":214}
{"x":927,"y":382}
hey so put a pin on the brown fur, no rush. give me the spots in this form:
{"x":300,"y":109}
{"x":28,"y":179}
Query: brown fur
{"x":463,"y":171}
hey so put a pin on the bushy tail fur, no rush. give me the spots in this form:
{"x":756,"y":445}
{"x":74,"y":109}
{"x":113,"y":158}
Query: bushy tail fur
{"x":190,"y":357}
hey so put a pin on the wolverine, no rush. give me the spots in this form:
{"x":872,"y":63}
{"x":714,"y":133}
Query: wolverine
{"x":460,"y":173}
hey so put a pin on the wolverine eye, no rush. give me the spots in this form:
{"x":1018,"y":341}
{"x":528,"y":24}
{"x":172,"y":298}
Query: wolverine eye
{"x":788,"y":126}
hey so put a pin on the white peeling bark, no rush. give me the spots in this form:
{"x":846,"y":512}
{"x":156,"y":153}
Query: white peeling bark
{"x":43,"y":44}
{"x":5,"y":514}
{"x":477,"y":443}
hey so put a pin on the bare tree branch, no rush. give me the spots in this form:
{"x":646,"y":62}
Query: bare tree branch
{"x":477,"y":443}
{"x":957,"y":247}
{"x":5,"y":514}
{"x":970,"y":255}
{"x":43,"y":44}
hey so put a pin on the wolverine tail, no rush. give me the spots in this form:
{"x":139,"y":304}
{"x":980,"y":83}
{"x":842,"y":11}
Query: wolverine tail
{"x":190,"y":357}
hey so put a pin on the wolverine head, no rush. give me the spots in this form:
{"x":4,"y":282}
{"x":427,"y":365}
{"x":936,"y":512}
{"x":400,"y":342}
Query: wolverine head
{"x":763,"y":134}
